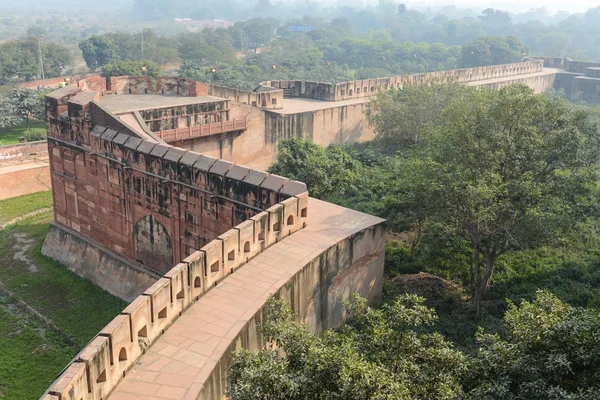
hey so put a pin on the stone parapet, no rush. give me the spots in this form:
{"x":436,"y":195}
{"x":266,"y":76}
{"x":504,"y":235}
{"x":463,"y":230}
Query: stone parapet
{"x":105,"y":361}
{"x":368,"y":87}
{"x":270,"y":100}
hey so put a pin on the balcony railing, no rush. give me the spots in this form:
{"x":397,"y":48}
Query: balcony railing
{"x":172,"y":135}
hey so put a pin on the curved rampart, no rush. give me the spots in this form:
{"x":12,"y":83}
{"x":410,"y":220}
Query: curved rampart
{"x":100,"y":366}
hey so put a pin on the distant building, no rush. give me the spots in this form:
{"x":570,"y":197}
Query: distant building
{"x":204,"y":23}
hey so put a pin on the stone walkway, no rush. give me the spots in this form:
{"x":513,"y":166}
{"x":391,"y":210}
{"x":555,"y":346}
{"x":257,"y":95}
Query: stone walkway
{"x":178,"y":364}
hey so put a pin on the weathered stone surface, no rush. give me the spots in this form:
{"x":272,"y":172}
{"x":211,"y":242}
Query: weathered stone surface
{"x":106,"y":269}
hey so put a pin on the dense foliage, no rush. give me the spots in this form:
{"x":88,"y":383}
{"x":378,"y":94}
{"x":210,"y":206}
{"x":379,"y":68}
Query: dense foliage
{"x":21,"y":105}
{"x":472,"y":177}
{"x":379,"y":355}
{"x":133,"y":68}
{"x":549,"y":350}
{"x":20,"y":59}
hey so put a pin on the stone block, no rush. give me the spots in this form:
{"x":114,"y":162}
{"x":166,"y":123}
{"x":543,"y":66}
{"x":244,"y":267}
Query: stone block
{"x":71,"y":384}
{"x":96,"y":357}
{"x":261,"y":228}
{"x":217,"y":174}
{"x":251,"y":187}
{"x":269,"y":190}
{"x":275,"y":231}
{"x":249,"y":245}
{"x":118,"y":332}
{"x":291,"y":188}
{"x":234,"y":182}
{"x":290,"y":223}
{"x":179,"y":287}
{"x":213,"y":255}
{"x":197,"y":274}
{"x":231,"y":250}
{"x":201,"y":168}
{"x":303,"y":208}
{"x":160,"y":300}
{"x":139,"y":312}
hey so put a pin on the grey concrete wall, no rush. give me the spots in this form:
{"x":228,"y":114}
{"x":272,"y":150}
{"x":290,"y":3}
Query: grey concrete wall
{"x":354,"y":265}
{"x":111,"y":272}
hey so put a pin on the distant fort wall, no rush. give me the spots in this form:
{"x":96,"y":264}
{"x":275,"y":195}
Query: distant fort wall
{"x":365,"y":88}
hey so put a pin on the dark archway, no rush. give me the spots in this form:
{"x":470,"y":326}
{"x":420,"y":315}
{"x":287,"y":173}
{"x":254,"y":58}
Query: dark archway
{"x":153,"y":246}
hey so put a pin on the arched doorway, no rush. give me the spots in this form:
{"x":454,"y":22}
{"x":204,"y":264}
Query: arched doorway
{"x":153,"y":246}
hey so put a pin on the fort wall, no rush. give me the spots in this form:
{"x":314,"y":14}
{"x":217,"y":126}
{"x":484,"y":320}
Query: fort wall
{"x":368,"y":87}
{"x":315,"y":288}
{"x":22,"y":152}
{"x":266,"y":100}
{"x":539,"y":83}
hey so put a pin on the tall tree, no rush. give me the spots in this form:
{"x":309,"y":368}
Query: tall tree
{"x":98,"y":51}
{"x":133,"y":68}
{"x":506,"y":169}
{"x":7,"y":113}
{"x":325,"y":171}
{"x":27,"y":104}
{"x":399,"y":116}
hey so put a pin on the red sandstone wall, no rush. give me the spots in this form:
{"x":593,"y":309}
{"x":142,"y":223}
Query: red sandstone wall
{"x":105,"y":183}
{"x":18,"y":153}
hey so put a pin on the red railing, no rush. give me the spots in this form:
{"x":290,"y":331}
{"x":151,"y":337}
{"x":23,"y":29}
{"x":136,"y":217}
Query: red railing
{"x":171,"y":135}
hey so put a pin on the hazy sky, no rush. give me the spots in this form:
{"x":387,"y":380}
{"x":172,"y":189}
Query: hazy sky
{"x":520,"y":5}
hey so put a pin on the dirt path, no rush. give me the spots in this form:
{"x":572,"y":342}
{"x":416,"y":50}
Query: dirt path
{"x":22,"y":217}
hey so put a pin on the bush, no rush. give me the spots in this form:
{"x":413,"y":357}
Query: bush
{"x":36,"y":134}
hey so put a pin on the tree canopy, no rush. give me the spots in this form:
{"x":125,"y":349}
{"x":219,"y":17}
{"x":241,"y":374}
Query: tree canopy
{"x":133,"y":68}
{"x":507,"y":169}
{"x":379,"y":355}
{"x":19,"y":59}
{"x":549,"y":350}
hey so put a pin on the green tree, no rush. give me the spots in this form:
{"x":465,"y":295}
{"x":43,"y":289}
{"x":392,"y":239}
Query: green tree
{"x":492,"y":50}
{"x":98,"y":51}
{"x":550,"y":350}
{"x":7,"y":113}
{"x":133,"y":68}
{"x":507,"y":169}
{"x":326,"y":172}
{"x":380,"y":354}
{"x":399,"y":116}
{"x":26,"y":104}
{"x":19,"y":59}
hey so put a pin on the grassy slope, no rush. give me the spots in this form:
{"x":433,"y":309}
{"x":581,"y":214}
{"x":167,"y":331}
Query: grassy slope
{"x":30,"y":359}
{"x":12,"y":135}
{"x":17,"y":206}
{"x":77,"y":306}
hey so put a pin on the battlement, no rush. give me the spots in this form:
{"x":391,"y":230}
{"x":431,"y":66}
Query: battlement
{"x":364,"y":88}
{"x":104,"y":362}
{"x":191,"y":218}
